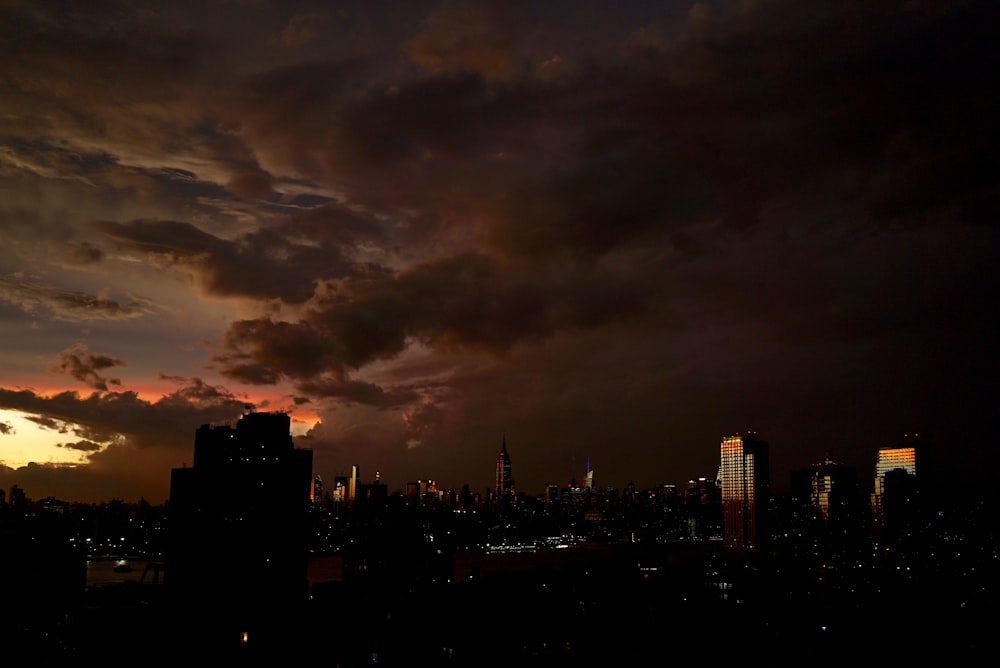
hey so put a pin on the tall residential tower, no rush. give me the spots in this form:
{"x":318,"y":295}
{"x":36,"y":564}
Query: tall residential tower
{"x":746,"y":487}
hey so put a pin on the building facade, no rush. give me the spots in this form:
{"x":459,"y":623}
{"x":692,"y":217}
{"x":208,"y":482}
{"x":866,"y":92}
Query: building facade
{"x":744,"y":475}
{"x":829,"y":487}
{"x":241,"y":510}
{"x":904,"y":480}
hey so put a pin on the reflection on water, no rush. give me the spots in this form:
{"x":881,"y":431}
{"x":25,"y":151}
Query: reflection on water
{"x":116,"y":570}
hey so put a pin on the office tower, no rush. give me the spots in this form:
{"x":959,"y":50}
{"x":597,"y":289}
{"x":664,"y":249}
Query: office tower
{"x":589,"y":480}
{"x":370,"y":497}
{"x":745,"y":479}
{"x":17,"y":496}
{"x":340,"y":486}
{"x":829,"y":487}
{"x":703,"y":506}
{"x":352,"y":484}
{"x":237,"y":540}
{"x":317,"y":490}
{"x":504,"y":483}
{"x":422,"y":492}
{"x":904,"y":479}
{"x":828,"y":511}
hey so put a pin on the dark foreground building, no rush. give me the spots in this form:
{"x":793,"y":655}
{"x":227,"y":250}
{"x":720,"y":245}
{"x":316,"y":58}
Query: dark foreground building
{"x":237,"y":527}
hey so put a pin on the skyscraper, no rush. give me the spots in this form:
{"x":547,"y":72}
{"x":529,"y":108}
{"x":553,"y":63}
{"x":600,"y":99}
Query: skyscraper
{"x":243,"y":506}
{"x":504,"y":482}
{"x":352,"y":484}
{"x":830,"y":487}
{"x":904,"y":478}
{"x":745,"y":480}
{"x":317,"y":491}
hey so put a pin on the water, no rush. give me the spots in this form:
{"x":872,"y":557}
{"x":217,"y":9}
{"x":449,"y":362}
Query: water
{"x":101,"y":571}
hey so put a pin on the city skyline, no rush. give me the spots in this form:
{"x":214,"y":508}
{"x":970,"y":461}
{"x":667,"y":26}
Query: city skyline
{"x":616,"y":231}
{"x":779,"y":483}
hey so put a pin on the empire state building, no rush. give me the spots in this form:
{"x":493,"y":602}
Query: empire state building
{"x":504,"y":483}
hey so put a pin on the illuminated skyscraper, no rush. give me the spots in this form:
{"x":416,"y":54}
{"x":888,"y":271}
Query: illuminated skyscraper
{"x":504,"y":482}
{"x":352,"y":484}
{"x":745,"y":480}
{"x":339,"y":493}
{"x":903,"y":481}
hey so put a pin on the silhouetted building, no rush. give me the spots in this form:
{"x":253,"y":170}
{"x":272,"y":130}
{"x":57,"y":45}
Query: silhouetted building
{"x":829,"y":487}
{"x":703,"y":508}
{"x":237,"y":521}
{"x":370,"y":499}
{"x":423,"y":493}
{"x":551,"y":493}
{"x":17,"y":496}
{"x":828,"y":512}
{"x":745,"y":479}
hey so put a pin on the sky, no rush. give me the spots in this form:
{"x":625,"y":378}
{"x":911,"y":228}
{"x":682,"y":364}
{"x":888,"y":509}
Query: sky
{"x":604,"y":232}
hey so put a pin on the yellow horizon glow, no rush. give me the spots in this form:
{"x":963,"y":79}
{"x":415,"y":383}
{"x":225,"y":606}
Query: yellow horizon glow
{"x":29,"y":443}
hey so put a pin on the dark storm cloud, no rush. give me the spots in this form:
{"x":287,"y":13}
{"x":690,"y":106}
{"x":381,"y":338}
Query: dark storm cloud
{"x":331,"y":225}
{"x":42,"y":158}
{"x":39,"y":237}
{"x":86,"y":253}
{"x":288,"y":113}
{"x":72,"y":305}
{"x":351,"y":391}
{"x":48,"y":51}
{"x":94,"y":79}
{"x":302,"y":29}
{"x":849,"y":100}
{"x":889,"y":94}
{"x":263,"y":351}
{"x":83,"y":446}
{"x":479,"y":36}
{"x":85,"y":366}
{"x":264,"y":264}
{"x":49,"y":423}
{"x":116,"y":99}
{"x":464,"y":302}
{"x":197,"y":391}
